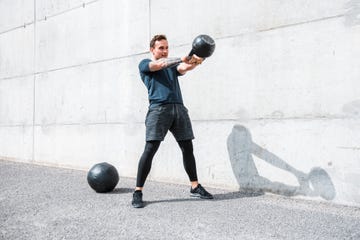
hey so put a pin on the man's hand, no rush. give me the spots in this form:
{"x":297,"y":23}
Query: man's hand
{"x":193,"y":60}
{"x":196,"y":60}
{"x":189,"y":63}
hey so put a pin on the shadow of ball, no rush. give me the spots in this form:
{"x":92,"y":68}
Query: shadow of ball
{"x":103,"y":177}
{"x":322,"y":184}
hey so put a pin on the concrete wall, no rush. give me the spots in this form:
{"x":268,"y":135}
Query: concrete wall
{"x":275,"y":109}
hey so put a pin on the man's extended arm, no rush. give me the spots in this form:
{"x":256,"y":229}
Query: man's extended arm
{"x":163,"y":63}
{"x":185,"y":65}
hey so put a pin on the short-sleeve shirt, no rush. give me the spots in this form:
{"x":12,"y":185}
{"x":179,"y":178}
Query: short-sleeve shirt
{"x":163,"y":85}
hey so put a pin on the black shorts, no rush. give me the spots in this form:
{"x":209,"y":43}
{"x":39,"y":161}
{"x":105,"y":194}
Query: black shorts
{"x":173,"y":117}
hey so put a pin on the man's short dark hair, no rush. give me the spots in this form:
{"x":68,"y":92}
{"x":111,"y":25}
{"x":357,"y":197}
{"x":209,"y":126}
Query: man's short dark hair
{"x":157,"y":38}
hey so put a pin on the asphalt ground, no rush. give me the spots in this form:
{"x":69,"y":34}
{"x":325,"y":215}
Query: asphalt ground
{"x":38,"y":202}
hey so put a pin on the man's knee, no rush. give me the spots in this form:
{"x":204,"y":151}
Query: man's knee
{"x":152,"y":146}
{"x":186,"y":146}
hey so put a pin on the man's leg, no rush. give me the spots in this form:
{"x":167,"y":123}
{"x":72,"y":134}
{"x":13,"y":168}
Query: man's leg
{"x":186,"y":147}
{"x":145,"y":162}
{"x":190,"y":167}
{"x":144,"y":167}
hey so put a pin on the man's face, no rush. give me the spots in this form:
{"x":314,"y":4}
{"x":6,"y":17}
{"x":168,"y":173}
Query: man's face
{"x":160,"y":49}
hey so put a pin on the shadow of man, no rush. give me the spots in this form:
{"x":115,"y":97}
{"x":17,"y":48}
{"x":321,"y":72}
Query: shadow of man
{"x":241,"y":149}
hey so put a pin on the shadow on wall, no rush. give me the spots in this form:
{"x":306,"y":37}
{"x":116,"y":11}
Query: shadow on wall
{"x":241,"y":149}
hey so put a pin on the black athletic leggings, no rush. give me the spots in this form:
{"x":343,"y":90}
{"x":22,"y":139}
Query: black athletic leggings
{"x":150,"y":149}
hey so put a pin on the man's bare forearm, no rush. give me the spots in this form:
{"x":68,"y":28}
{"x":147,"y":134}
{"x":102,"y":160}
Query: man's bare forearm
{"x":163,"y":63}
{"x":170,"y":62}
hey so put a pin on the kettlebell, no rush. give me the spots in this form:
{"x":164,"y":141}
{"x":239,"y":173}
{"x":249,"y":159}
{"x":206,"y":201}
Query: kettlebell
{"x":203,"y":46}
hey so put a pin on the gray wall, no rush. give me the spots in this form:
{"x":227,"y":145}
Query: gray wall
{"x":275,"y":109}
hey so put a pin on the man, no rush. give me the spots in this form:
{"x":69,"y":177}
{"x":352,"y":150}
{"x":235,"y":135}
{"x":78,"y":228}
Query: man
{"x":166,"y":112}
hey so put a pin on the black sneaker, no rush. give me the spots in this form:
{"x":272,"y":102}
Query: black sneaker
{"x":137,"y":201}
{"x":200,"y":192}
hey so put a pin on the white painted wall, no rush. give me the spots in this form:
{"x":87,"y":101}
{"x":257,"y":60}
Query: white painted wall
{"x":282,"y":89}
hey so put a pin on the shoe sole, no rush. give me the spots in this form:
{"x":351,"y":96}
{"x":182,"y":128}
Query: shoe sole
{"x":196,"y":195}
{"x":138,"y":205}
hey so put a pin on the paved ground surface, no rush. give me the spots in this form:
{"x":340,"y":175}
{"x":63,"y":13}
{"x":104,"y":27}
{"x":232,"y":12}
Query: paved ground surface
{"x":38,"y":202}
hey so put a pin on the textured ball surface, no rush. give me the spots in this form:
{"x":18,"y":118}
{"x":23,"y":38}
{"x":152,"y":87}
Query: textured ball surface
{"x":103,"y":177}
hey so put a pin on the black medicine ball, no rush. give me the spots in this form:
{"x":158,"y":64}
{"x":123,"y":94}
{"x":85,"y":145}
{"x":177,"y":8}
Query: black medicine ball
{"x":103,"y":177}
